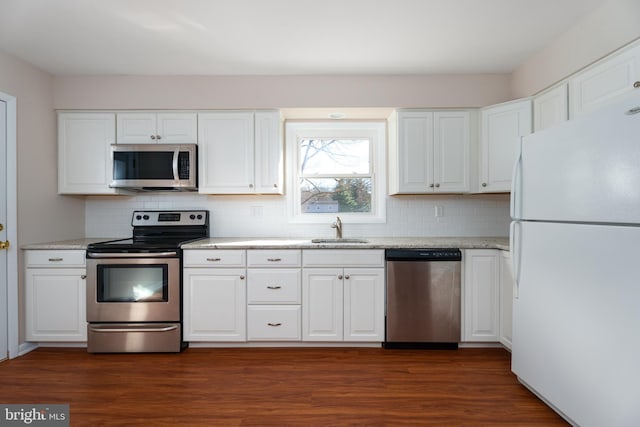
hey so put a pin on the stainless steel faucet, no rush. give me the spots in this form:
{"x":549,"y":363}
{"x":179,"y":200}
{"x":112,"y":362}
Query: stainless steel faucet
{"x":338,"y":226}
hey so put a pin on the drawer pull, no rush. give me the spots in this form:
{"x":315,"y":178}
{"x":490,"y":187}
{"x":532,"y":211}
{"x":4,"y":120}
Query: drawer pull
{"x":84,"y":276}
{"x":274,"y":259}
{"x":274,"y":287}
{"x":56,"y":259}
{"x":214,"y":259}
{"x":274,"y":324}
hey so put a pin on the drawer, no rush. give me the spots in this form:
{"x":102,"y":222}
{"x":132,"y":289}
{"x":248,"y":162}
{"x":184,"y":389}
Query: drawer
{"x":273,"y":323}
{"x":273,"y":286}
{"x":273,"y":258}
{"x":343,"y":258}
{"x":55,"y":258}
{"x":214,"y":258}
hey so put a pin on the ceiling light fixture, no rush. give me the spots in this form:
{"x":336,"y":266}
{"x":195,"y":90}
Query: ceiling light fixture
{"x":337,"y":116}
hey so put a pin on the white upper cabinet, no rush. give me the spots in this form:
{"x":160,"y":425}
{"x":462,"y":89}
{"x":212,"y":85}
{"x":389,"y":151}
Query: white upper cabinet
{"x":240,"y":152}
{"x":153,"y":128}
{"x":551,"y":107}
{"x":84,"y":153}
{"x":430,"y":153}
{"x":503,"y":126}
{"x":605,"y":81}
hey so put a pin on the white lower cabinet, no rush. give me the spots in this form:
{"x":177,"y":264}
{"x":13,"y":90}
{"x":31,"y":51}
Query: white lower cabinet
{"x":506,"y":298}
{"x":214,"y":295}
{"x":273,"y":295}
{"x":55,"y":296}
{"x":343,"y":302}
{"x":487,"y":296}
{"x":480,"y":298}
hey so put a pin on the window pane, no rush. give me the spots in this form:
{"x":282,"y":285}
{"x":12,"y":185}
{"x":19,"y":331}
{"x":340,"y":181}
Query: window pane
{"x":324,"y":195}
{"x":334,"y":156}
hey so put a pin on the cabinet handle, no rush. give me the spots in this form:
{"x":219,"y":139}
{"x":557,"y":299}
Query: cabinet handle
{"x":339,"y":276}
{"x":275,"y":185}
{"x":250,"y":185}
{"x":153,"y":137}
{"x":214,"y":259}
{"x":430,"y":185}
{"x":636,"y":84}
{"x":484,"y":184}
{"x":274,"y":287}
{"x":56,"y":259}
{"x":437,"y":185}
{"x":158,"y":137}
{"x":84,"y":276}
{"x":274,"y":324}
{"x":347,"y":277}
{"x":274,"y":259}
{"x":242,"y":277}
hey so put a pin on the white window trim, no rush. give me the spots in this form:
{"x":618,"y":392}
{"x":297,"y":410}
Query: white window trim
{"x":372,"y":130}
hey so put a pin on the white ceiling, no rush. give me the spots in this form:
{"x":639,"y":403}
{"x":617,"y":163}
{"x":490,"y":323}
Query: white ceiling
{"x":252,"y":37}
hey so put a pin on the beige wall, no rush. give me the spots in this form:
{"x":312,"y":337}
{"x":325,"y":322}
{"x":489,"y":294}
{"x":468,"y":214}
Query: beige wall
{"x":212,"y":92}
{"x":42,"y":214}
{"x":606,"y":29}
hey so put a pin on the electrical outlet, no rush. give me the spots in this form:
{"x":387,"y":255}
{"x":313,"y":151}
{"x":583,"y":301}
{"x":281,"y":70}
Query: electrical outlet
{"x":439,"y":211}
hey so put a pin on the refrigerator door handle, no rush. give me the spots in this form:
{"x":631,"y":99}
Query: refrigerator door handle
{"x":515,"y":184}
{"x":514,"y":247}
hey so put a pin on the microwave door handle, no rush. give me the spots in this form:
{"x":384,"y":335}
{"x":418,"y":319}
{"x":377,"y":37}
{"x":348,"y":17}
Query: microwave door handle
{"x":176,"y":155}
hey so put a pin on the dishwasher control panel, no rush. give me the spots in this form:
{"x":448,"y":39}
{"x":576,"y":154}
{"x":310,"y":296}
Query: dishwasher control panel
{"x":428,"y":254}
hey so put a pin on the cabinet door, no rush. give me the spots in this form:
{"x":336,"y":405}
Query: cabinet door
{"x":177,"y":128}
{"x":84,"y":153}
{"x":55,"y":304}
{"x":322,"y":299}
{"x":502,"y":128}
{"x":480,"y":295}
{"x":214,"y":304}
{"x":136,"y":128}
{"x":414,"y":163}
{"x":605,"y":81}
{"x":451,"y":151}
{"x":269,"y":153}
{"x":506,"y":299}
{"x":364,"y":304}
{"x":551,"y":107}
{"x":226,"y":154}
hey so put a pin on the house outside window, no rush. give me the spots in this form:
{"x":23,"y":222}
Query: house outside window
{"x":337,"y":168}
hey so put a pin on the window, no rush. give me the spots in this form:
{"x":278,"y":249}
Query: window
{"x":337,"y":169}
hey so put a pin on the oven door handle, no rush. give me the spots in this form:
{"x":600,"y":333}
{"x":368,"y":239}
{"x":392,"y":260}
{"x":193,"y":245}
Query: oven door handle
{"x":132,"y":255}
{"x":109,"y":330}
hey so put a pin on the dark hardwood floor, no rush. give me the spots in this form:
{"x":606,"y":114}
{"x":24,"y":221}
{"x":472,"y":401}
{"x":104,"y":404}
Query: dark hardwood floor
{"x":278,"y":387}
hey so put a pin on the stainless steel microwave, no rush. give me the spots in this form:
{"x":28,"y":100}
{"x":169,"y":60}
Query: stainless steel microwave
{"x":155,"y":167}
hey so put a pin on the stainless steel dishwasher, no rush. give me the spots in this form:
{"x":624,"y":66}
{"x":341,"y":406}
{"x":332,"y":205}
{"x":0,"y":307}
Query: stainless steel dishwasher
{"x":423,"y":298}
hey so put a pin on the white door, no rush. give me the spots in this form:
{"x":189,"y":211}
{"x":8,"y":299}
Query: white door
{"x":3,"y":234}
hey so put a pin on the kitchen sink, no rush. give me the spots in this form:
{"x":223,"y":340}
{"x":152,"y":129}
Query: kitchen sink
{"x":339,"y":241}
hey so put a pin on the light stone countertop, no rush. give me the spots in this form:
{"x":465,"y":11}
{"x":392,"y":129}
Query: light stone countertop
{"x":75,"y":244}
{"x":371,"y":243}
{"x":303,"y":243}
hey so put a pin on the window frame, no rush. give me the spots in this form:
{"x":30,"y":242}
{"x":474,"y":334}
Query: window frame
{"x":374,"y":131}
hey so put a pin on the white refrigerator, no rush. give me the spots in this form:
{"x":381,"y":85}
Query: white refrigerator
{"x":575,"y":242}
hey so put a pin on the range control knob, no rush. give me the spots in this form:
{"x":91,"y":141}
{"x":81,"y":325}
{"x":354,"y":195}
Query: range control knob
{"x":145,"y":217}
{"x":199,"y":216}
{"x":138,"y":217}
{"x":192,"y":217}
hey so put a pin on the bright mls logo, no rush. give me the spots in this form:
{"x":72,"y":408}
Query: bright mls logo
{"x":37,"y":415}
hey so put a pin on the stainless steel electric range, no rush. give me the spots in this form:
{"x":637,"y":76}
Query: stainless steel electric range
{"x":134,"y":286}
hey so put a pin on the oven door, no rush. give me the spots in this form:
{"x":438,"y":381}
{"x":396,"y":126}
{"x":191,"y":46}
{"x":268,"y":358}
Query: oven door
{"x":133,"y":287}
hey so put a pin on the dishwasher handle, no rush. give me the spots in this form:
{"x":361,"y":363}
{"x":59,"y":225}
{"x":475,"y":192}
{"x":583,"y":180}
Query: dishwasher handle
{"x":428,"y":254}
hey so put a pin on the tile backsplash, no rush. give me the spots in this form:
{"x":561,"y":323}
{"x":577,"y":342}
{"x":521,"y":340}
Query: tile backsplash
{"x":266,"y":216}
